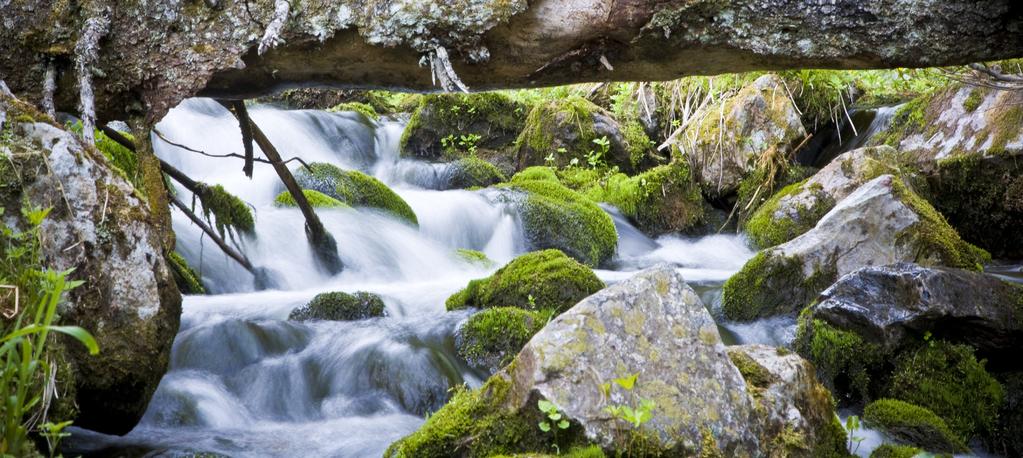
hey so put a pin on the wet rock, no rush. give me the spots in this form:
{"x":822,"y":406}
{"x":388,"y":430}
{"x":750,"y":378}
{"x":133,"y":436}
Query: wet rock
{"x":349,"y":187}
{"x":896,"y":305}
{"x":340,"y":306}
{"x":797,"y":208}
{"x":490,"y":339}
{"x":101,"y":228}
{"x":472,"y":172}
{"x":728,"y":140}
{"x":654,"y":335}
{"x":561,"y":131}
{"x":913,"y":424}
{"x":882,"y":222}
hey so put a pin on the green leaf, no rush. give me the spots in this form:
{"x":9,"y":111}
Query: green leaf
{"x":627,"y":382}
{"x":563,"y":424}
{"x":81,"y":335}
{"x":544,"y":426}
{"x":554,"y":416}
{"x":545,"y":405}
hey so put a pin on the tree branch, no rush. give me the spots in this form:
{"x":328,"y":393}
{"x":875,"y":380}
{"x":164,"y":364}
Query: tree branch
{"x":222,"y":156}
{"x":227,"y":249}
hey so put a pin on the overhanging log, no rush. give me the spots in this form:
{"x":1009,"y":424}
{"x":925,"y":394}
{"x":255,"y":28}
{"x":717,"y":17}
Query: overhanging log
{"x":158,"y":53}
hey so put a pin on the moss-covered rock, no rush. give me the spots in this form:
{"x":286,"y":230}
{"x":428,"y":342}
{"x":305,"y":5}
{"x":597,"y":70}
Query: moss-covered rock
{"x":1007,"y":436}
{"x":472,"y":172}
{"x":188,"y":280}
{"x":354,"y":188}
{"x":728,"y":141}
{"x":882,"y":222}
{"x":340,"y":306}
{"x":660,"y":200}
{"x":846,"y":363}
{"x":913,"y":424}
{"x":557,"y":217}
{"x":490,"y":339}
{"x":798,"y":207}
{"x":316,"y":198}
{"x":573,"y":128}
{"x":541,"y":280}
{"x":440,"y":122}
{"x":895,"y":451}
{"x":948,"y":380}
{"x":364,"y":109}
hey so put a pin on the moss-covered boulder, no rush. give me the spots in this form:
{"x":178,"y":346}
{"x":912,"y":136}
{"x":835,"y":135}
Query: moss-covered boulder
{"x":472,"y":172}
{"x":541,"y":280}
{"x":895,"y":451}
{"x":798,"y":207}
{"x":340,"y":306}
{"x":882,"y":222}
{"x":649,"y":341}
{"x":663,"y":199}
{"x":727,"y":140}
{"x":573,"y":128}
{"x":316,"y":199}
{"x":554,"y":216}
{"x":364,"y":109}
{"x":948,"y":380}
{"x":353,"y":188}
{"x":913,"y":424}
{"x":451,"y":126}
{"x":490,"y":339}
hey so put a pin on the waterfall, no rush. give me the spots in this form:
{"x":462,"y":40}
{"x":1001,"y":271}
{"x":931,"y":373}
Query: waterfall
{"x":245,"y":381}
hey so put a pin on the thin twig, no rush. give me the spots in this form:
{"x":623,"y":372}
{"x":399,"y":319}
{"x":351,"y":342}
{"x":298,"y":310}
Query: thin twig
{"x":222,"y":156}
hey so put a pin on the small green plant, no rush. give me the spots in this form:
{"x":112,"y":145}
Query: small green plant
{"x":532,"y":302}
{"x":463,"y":143}
{"x":54,"y":433}
{"x":595,"y":158}
{"x":554,"y":421}
{"x":634,"y":414}
{"x":852,"y":426}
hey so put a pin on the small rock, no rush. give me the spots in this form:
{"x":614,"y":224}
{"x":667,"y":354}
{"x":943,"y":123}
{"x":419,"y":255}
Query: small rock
{"x":340,"y":306}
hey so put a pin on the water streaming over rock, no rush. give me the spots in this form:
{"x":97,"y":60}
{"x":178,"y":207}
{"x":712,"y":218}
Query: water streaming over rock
{"x":245,"y":381}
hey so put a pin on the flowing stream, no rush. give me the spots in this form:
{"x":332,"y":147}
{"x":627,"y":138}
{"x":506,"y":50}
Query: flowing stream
{"x":245,"y":381}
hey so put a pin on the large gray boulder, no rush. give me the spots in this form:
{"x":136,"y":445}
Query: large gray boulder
{"x":798,"y":207}
{"x":652,"y":327}
{"x":896,"y":305}
{"x":727,"y":140}
{"x":882,"y":222}
{"x":100,"y":227}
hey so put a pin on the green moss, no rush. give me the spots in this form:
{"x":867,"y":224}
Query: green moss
{"x":948,"y":380}
{"x":932,"y":237}
{"x":565,"y":123}
{"x":766,"y":231}
{"x":557,"y":217}
{"x":124,"y":160}
{"x":363,"y":108}
{"x":316,"y":199}
{"x":553,"y":281}
{"x":637,"y":142}
{"x":340,"y":306}
{"x":229,"y":212}
{"x":535,"y":173}
{"x":474,"y":257}
{"x":187,"y":279}
{"x":755,"y":375}
{"x":772,"y":284}
{"x":895,"y":451}
{"x":1004,"y":126}
{"x":974,"y":100}
{"x":493,"y":116}
{"x":913,"y":424}
{"x":578,"y":178}
{"x":471,"y":171}
{"x":909,"y":119}
{"x":844,"y":361}
{"x":491,"y":338}
{"x":477,"y":423}
{"x":662,"y":199}
{"x":354,"y":188}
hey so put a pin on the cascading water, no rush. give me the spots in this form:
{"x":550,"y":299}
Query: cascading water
{"x":245,"y":381}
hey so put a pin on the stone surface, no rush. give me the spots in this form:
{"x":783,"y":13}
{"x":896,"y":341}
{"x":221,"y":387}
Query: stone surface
{"x":100,"y":227}
{"x":730,"y":137}
{"x":896,"y":305}
{"x":882,"y":222}
{"x":159,"y":52}
{"x":340,"y":306}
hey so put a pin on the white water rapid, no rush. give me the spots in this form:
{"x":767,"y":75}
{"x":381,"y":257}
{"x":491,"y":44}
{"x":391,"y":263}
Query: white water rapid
{"x":245,"y":381}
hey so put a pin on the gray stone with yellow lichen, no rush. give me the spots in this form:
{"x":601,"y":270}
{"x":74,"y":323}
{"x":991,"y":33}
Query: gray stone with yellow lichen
{"x":653,"y":325}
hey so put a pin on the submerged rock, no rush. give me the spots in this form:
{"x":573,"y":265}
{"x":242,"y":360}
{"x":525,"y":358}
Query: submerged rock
{"x":895,"y":305}
{"x":554,"y":216}
{"x":340,"y":306}
{"x":472,"y":172}
{"x":882,"y":222}
{"x":353,"y":188}
{"x":798,"y":207}
{"x":647,"y":341}
{"x":573,"y":128}
{"x":542,"y":280}
{"x":729,"y":139}
{"x":100,"y":227}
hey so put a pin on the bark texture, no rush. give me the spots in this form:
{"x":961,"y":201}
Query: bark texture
{"x":158,"y":52}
